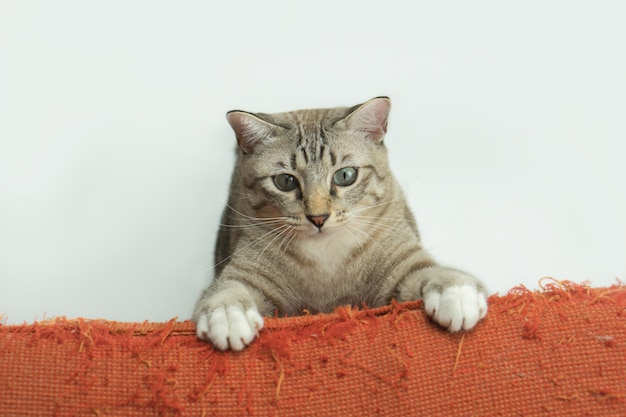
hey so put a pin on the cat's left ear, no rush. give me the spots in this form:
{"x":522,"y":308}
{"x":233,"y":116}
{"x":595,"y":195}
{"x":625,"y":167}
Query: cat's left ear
{"x":370,"y":119}
{"x":251,"y":130}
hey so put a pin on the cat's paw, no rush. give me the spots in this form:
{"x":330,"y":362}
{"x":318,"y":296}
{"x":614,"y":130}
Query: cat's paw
{"x":230,"y":326}
{"x":456,"y":307}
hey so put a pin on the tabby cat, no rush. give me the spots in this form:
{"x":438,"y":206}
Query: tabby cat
{"x":315,"y":220}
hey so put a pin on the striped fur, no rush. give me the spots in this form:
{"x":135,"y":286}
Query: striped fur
{"x":272,"y":257}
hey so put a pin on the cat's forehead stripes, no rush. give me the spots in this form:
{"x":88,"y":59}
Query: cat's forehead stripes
{"x":294,"y":161}
{"x":308,"y":125}
{"x":313,"y":151}
{"x":311,"y":139}
{"x":333,"y":157}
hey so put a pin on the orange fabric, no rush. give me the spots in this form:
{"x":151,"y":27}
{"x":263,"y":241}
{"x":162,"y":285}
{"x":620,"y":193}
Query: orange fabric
{"x":558,"y":352}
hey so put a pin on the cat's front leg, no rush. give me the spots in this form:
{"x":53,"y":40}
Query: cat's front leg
{"x":452,"y":298}
{"x":228,"y":316}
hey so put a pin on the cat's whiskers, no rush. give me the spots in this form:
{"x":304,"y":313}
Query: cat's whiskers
{"x":395,"y":226}
{"x":294,"y":233}
{"x":250,"y":225}
{"x":254,"y":242}
{"x":400,"y":197}
{"x":349,"y":229}
{"x":359,"y":216}
{"x":280,"y":231}
{"x":253,"y":217}
{"x":376,"y":220}
{"x":288,"y":238}
{"x":378,"y":226}
{"x":354,"y":214}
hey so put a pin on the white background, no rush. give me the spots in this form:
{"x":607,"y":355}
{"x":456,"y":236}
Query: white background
{"x":508,"y":133}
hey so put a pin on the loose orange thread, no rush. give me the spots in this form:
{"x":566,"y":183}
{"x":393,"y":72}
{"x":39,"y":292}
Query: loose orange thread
{"x":168,"y":329}
{"x":573,"y":397}
{"x":87,"y":336}
{"x":606,"y":395}
{"x":458,"y":355}
{"x":281,"y":375}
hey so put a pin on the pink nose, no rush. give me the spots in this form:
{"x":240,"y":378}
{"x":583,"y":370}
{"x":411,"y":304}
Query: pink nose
{"x":318,"y":221}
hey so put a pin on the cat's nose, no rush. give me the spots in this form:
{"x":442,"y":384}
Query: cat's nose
{"x":319,"y":220}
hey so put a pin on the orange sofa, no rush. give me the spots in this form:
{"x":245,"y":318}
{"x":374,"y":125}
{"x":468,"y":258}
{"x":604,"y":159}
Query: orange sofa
{"x":560,"y":351}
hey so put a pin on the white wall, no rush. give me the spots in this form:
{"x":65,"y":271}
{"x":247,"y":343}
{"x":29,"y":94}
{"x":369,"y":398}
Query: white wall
{"x":507,"y":131}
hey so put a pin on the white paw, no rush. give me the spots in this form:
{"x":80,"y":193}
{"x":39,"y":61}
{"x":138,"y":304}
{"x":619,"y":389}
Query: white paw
{"x":230,"y":327}
{"x":457,"y":307}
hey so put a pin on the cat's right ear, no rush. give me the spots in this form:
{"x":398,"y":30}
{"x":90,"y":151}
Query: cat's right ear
{"x":251,"y":131}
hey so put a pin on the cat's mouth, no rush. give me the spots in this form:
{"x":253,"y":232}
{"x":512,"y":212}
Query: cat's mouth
{"x":326,"y":230}
{"x":318,"y":227}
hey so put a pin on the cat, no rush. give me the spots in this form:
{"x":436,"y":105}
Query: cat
{"x":315,"y":220}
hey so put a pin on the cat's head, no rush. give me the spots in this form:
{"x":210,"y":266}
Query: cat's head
{"x":314,"y":168}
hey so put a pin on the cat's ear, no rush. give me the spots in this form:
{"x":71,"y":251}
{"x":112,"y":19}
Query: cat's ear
{"x":251,"y":131}
{"x":369,"y":119}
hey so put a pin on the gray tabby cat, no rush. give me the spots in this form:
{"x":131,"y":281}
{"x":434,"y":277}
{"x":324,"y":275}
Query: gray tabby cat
{"x":316,"y":220}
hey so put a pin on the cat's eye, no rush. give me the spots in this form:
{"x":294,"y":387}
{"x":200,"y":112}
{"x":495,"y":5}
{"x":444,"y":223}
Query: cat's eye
{"x":345,"y":176}
{"x":285,"y":182}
